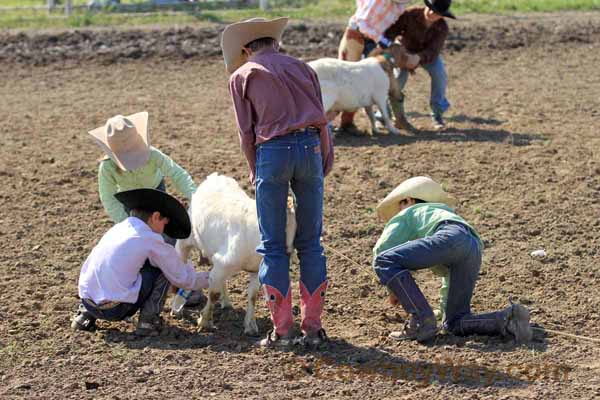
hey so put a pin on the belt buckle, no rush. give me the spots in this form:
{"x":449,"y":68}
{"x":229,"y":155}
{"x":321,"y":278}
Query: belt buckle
{"x":110,"y":304}
{"x":105,"y":305}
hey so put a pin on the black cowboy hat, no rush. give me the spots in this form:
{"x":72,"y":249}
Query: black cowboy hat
{"x":440,"y":7}
{"x":179,"y":226}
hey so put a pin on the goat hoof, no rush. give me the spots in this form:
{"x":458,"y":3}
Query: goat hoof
{"x":226,"y":306}
{"x":205,"y":325}
{"x":251,"y":329}
{"x":394,"y":131}
{"x":251,"y":332}
{"x":177,"y":315}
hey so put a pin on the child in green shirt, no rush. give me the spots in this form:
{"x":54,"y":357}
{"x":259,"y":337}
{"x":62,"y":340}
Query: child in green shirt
{"x":131,"y":163}
{"x":422,"y":231}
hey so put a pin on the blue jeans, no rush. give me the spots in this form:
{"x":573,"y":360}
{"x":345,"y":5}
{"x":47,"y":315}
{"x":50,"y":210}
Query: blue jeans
{"x":154,"y":289}
{"x":439,"y":81}
{"x":295,"y":161}
{"x":452,"y":245}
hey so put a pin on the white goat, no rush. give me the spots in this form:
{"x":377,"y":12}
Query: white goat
{"x":350,"y":85}
{"x":225,"y":230}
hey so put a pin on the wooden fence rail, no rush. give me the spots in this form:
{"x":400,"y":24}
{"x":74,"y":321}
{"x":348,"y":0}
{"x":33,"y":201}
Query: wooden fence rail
{"x":149,"y":6}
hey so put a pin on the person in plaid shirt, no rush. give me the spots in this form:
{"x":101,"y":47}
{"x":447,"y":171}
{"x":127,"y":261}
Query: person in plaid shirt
{"x":365,"y":30}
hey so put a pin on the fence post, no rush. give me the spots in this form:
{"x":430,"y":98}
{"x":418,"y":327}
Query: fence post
{"x":263,"y":4}
{"x":68,"y":7}
{"x":51,"y":5}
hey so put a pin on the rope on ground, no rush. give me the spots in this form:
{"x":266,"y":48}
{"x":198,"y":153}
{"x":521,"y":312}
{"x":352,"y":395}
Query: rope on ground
{"x":361,"y":267}
{"x":560,"y":333}
{"x":342,"y":255}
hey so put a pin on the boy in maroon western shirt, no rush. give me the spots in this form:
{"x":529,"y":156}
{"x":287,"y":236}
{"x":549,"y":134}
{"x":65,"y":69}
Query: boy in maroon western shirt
{"x":285,"y":139}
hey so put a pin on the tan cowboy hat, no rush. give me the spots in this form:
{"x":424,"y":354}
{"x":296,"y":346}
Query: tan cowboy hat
{"x":419,"y":187}
{"x":236,"y":36}
{"x":125,"y":140}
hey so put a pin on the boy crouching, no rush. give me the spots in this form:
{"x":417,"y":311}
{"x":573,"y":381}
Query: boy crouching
{"x":131,"y":267}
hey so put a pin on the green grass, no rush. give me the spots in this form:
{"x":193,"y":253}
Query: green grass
{"x":331,"y":10}
{"x":501,"y":6}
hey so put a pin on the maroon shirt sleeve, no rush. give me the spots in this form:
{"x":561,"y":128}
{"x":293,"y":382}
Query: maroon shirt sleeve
{"x":325,"y":136}
{"x":243,"y":116}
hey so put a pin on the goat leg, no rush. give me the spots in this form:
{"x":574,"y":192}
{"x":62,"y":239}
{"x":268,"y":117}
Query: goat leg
{"x":250,"y":326}
{"x":382,"y":104}
{"x":371,"y":115}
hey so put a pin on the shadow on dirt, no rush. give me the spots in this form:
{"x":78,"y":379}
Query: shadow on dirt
{"x":448,"y":135}
{"x":341,"y":360}
{"x":228,"y":335}
{"x":344,"y":361}
{"x":490,"y":344}
{"x":474,"y":120}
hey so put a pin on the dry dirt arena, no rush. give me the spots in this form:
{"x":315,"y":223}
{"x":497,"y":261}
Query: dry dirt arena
{"x":521,"y":154}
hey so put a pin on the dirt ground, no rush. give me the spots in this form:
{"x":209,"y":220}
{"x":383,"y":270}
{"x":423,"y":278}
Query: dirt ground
{"x":521,"y":154}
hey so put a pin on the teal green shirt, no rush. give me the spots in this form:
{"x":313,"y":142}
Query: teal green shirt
{"x":112,"y":179}
{"x":416,"y":222}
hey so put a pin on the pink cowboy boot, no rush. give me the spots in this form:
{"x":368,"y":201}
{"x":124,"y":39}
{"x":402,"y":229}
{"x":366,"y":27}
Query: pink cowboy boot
{"x":281,"y":315}
{"x":311,"y":308}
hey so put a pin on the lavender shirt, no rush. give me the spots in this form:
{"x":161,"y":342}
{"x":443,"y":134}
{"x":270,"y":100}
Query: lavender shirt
{"x":112,"y":270}
{"x":274,"y":94}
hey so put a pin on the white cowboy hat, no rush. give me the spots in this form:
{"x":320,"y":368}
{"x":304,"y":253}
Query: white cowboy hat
{"x":125,"y":140}
{"x":419,"y":187}
{"x":236,"y":36}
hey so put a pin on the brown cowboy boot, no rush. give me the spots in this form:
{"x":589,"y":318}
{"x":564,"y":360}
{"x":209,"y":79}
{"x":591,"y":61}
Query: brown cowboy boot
{"x":422,"y":325}
{"x":398,"y":109}
{"x":511,"y":322}
{"x":149,"y":322}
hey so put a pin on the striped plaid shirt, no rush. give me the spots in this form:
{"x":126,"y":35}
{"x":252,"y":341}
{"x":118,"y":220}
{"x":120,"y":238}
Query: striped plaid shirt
{"x":373,"y":17}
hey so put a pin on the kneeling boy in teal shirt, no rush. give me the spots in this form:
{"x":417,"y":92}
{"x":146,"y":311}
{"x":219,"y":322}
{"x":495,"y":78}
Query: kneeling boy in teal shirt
{"x":422,"y":231}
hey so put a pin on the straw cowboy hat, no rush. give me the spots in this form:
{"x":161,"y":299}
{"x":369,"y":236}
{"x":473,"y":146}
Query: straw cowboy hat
{"x":179,"y":226}
{"x":125,"y":140}
{"x":236,"y":36}
{"x":419,"y":187}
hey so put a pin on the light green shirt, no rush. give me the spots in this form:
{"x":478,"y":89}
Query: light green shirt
{"x":112,"y":179}
{"x":416,"y":222}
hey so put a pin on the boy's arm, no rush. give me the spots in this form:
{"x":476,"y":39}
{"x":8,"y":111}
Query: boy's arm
{"x":107,"y":187}
{"x":184,"y":276}
{"x":395,"y":233}
{"x":396,"y":29}
{"x":243,"y":115}
{"x":326,"y":139}
{"x":181,"y":178}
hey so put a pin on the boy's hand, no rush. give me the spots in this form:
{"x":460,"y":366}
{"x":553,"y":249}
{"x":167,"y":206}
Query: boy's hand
{"x":393,"y":300}
{"x":412,"y":62}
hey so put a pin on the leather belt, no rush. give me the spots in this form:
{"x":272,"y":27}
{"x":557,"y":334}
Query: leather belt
{"x":309,"y":128}
{"x":105,"y":305}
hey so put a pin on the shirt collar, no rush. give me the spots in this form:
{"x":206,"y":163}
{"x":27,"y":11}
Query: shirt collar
{"x":138,"y":224}
{"x":263,"y":53}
